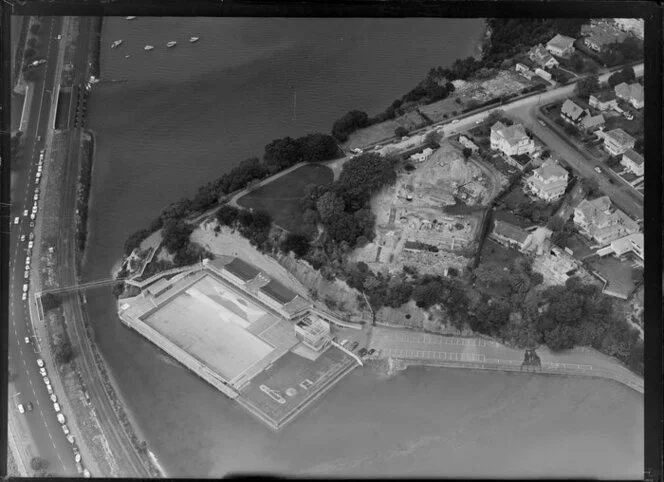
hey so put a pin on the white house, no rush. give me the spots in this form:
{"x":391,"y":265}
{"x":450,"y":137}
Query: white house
{"x":633,"y":161}
{"x":549,"y":181}
{"x":604,"y":100}
{"x":602,"y":222}
{"x":511,"y":140}
{"x":542,"y":57}
{"x":511,"y":236}
{"x":617,"y":141}
{"x":561,"y":45}
{"x":632,"y":93}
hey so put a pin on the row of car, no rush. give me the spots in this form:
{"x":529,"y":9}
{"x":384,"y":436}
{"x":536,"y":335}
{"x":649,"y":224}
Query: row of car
{"x":33,"y":215}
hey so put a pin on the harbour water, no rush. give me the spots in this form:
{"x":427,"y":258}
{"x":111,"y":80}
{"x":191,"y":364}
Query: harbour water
{"x":188,"y":114}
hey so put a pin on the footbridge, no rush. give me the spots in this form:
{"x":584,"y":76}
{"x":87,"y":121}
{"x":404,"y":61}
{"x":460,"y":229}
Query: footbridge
{"x":83,"y":286}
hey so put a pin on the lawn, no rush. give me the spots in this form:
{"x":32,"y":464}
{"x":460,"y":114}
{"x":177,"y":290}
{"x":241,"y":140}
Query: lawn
{"x":495,"y":253}
{"x":372,"y":134}
{"x":633,"y":127}
{"x":617,"y":273}
{"x":281,"y":198}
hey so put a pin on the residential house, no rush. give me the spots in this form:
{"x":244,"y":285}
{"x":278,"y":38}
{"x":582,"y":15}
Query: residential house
{"x":632,"y":93}
{"x":571,"y":112}
{"x":617,"y":141}
{"x":511,"y":140}
{"x":467,"y":143}
{"x":519,"y":67}
{"x":561,"y":45}
{"x":598,"y":35}
{"x":633,"y":161}
{"x":599,"y":220}
{"x":520,"y":161}
{"x":591,"y":123}
{"x":635,"y":26}
{"x":422,"y":156}
{"x":542,"y":57}
{"x":603,"y":101}
{"x":544,"y":74}
{"x":549,"y":181}
{"x":511,"y":236}
{"x":630,"y":243}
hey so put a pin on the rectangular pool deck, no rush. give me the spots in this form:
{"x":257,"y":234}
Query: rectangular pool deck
{"x":235,"y":342}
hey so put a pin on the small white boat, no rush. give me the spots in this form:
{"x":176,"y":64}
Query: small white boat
{"x":131,"y":18}
{"x":116,"y":44}
{"x":172,"y":43}
{"x":193,"y":39}
{"x":148,"y":47}
{"x":127,"y":56}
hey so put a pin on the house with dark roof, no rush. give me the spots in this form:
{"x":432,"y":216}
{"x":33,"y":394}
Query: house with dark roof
{"x":510,"y":236}
{"x":632,"y":93}
{"x":239,"y":271}
{"x":539,"y":55}
{"x":603,"y":100}
{"x":598,"y":35}
{"x":520,"y":161}
{"x":591,"y":123}
{"x":561,"y":45}
{"x":285,"y":301}
{"x":633,"y":161}
{"x":571,"y":112}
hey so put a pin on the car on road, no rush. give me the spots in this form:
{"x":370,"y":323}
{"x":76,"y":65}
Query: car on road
{"x":54,"y":398}
{"x":65,"y":429}
{"x":58,"y":37}
{"x":25,"y":288}
{"x":40,"y":362}
{"x":42,"y":372}
{"x":372,"y":351}
{"x":25,"y":212}
{"x":28,"y":406}
{"x":343,"y":343}
{"x":70,"y":439}
{"x":22,"y":237}
{"x":354,"y":345}
{"x":598,"y":170}
{"x":77,"y":458}
{"x":32,"y":224}
{"x":49,"y":389}
{"x":30,"y":244}
{"x":16,"y":220}
{"x":86,"y":473}
{"x":61,"y":419}
{"x":27,"y":340}
{"x":455,"y":121}
{"x":32,"y":216}
{"x":26,"y":274}
{"x":36,"y":63}
{"x":32,"y":236}
{"x":541,"y":122}
{"x":27,"y":260}
{"x":20,"y":408}
{"x":25,"y":296}
{"x":56,"y":406}
{"x":46,"y":381}
{"x":36,"y":197}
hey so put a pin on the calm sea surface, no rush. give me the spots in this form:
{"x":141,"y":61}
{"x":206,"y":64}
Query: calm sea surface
{"x":186,"y":115}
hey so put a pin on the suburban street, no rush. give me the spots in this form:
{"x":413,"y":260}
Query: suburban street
{"x":45,"y":431}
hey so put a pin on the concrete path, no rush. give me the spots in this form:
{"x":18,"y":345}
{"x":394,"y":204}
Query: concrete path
{"x":403,"y":343}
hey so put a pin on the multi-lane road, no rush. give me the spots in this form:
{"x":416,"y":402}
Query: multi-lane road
{"x":45,"y":431}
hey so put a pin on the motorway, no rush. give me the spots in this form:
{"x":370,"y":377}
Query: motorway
{"x":46,"y":433}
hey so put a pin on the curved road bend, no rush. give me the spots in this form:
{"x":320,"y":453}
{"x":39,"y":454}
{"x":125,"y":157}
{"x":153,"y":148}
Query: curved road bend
{"x":128,"y":461}
{"x":45,"y":432}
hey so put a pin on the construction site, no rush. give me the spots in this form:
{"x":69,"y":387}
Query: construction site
{"x":412,"y":226}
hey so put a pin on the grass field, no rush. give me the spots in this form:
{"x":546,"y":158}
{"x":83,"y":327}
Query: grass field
{"x":281,"y":198}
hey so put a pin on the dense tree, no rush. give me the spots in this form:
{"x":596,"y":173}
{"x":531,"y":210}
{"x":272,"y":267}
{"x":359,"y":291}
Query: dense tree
{"x":227,"y":215}
{"x":586,"y":86}
{"x":296,"y":243}
{"x":176,"y":234}
{"x":282,"y":153}
{"x":349,"y":123}
{"x":560,"y":337}
{"x":590,"y":187}
{"x":400,"y":131}
{"x":135,"y":240}
{"x":50,"y":301}
{"x":329,"y":207}
{"x":345,"y":228}
{"x":318,"y":147}
{"x":625,"y":75}
{"x":491,"y":273}
{"x":64,"y":352}
{"x":433,"y":138}
{"x":368,"y":173}
{"x":630,"y":50}
{"x":38,"y":463}
{"x":467,"y":152}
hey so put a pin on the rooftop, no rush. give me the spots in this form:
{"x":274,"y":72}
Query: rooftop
{"x":634,"y":156}
{"x":512,"y":134}
{"x":278,"y":292}
{"x":631,"y":91}
{"x":602,"y":33}
{"x":522,"y":159}
{"x":604,"y":96}
{"x":561,"y":42}
{"x":241,"y":269}
{"x":620,"y":136}
{"x":509,"y":231}
{"x":550,"y":169}
{"x":571,"y":109}
{"x":592,"y":121}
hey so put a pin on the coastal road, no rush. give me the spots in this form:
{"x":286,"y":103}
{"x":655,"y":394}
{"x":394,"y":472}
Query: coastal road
{"x":45,"y":437}
{"x":127,"y":461}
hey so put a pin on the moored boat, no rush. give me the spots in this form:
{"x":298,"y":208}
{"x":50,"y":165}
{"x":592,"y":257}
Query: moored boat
{"x":193,"y":39}
{"x":131,"y":18}
{"x":116,"y":44}
{"x":148,"y":47}
{"x":172,"y":43}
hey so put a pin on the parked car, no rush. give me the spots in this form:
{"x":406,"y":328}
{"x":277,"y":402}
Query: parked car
{"x":343,"y":343}
{"x":27,"y":260}
{"x":49,"y":389}
{"x":26,"y":274}
{"x":372,"y":351}
{"x":16,"y":220}
{"x":27,"y":340}
{"x":25,"y":212}
{"x":598,"y":170}
{"x":61,"y":419}
{"x":32,"y":224}
{"x":54,"y":398}
{"x":30,"y":244}
{"x":22,"y":237}
{"x":362,"y":352}
{"x":36,"y":197}
{"x":32,"y":236}
{"x":20,"y":408}
{"x":25,"y":289}
{"x":70,"y":439}
{"x":46,"y":380}
{"x":354,"y":345}
{"x":86,"y":473}
{"x":28,"y":406}
{"x":42,"y":372}
{"x":77,"y":457}
{"x":455,"y":121}
{"x":40,"y":362}
{"x":56,"y":406}
{"x":24,"y":297}
{"x":65,"y":429}
{"x":32,"y":216}
{"x":541,"y":122}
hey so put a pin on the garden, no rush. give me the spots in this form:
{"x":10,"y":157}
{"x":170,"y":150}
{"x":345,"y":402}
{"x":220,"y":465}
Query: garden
{"x":281,"y":198}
